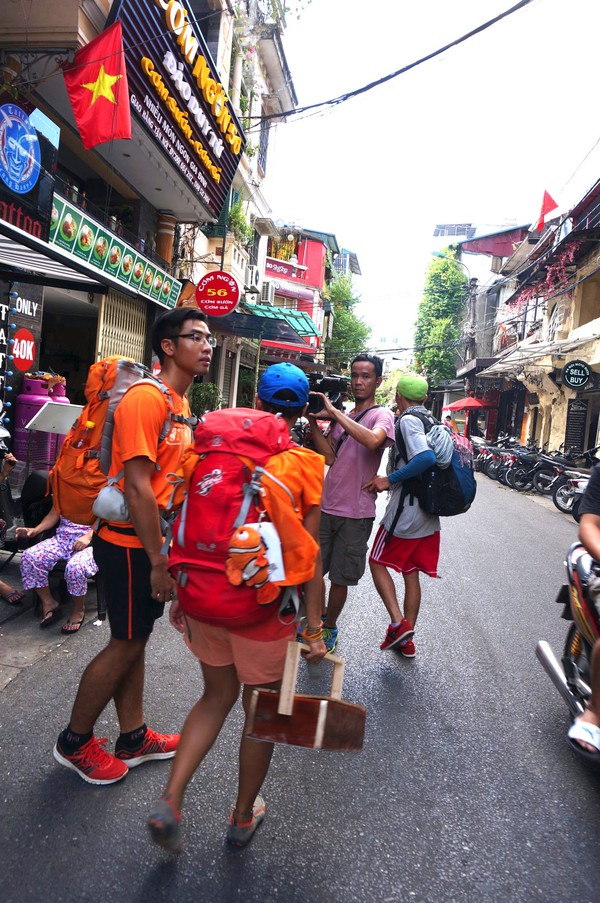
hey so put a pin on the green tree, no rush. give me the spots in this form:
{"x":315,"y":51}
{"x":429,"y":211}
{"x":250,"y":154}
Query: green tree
{"x":386,"y":393}
{"x":350,"y":333}
{"x":439,"y":319}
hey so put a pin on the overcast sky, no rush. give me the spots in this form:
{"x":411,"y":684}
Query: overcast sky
{"x":474,"y":135}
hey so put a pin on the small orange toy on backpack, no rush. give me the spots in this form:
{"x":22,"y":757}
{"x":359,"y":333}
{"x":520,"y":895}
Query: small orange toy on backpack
{"x":248,"y":564}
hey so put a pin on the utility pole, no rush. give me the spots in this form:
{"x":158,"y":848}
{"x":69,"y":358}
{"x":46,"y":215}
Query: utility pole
{"x":470,"y":333}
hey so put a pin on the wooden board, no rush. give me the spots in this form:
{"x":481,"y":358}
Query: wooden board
{"x":317,"y":722}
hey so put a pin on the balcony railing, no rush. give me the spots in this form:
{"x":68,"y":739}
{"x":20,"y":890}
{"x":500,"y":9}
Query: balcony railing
{"x":78,"y":198}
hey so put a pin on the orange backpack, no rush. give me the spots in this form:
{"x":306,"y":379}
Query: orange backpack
{"x":81,"y":469}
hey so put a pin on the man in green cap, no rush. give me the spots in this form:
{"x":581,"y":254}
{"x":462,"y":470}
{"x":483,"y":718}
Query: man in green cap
{"x":408,"y":540}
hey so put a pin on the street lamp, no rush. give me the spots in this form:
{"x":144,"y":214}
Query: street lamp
{"x":454,"y":260}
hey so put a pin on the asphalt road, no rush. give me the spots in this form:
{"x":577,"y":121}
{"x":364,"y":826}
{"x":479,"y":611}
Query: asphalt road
{"x":466,"y":789}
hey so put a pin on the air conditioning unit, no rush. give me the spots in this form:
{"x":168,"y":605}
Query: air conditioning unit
{"x":252,"y":278}
{"x":268,"y":292}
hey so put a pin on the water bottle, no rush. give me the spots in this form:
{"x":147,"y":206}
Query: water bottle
{"x":84,"y":440}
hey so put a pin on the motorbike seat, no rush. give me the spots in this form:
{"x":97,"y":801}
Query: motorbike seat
{"x":524,"y":458}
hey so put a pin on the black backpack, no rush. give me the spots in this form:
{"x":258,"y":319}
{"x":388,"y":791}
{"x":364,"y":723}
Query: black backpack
{"x":441,"y":491}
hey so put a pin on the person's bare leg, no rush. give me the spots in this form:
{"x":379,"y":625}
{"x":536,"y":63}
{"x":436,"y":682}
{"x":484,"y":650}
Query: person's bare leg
{"x":592,"y":712}
{"x":129,"y":695}
{"x":255,"y":758}
{"x":384,"y":584}
{"x":49,"y":603}
{"x":412,"y":596}
{"x":202,"y":727}
{"x":337,"y":599}
{"x":102,"y":680}
{"x":78,"y":610}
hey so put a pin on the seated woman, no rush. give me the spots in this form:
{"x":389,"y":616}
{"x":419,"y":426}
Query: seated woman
{"x":70,"y":543}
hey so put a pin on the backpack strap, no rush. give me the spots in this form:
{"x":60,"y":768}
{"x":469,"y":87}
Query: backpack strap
{"x":410,"y":488}
{"x":250,"y":490}
{"x":344,"y":435}
{"x":428,"y":420}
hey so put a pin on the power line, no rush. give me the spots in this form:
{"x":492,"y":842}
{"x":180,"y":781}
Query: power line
{"x":386,"y":78}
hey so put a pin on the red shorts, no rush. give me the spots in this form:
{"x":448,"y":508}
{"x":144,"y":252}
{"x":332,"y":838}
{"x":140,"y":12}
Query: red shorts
{"x":407,"y":555}
{"x":257,"y":655}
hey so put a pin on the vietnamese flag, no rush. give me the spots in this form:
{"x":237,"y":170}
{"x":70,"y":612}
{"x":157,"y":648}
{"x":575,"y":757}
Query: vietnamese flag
{"x":97,"y":86}
{"x":548,"y":205}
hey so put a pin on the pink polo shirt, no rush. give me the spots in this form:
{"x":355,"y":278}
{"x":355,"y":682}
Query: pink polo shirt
{"x":354,"y":466}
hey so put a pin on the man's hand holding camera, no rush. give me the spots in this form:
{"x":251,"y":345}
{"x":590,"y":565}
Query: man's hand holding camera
{"x":327,"y":410}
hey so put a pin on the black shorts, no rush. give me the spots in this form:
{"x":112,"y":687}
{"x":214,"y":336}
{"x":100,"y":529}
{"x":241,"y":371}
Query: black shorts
{"x":124,"y":582}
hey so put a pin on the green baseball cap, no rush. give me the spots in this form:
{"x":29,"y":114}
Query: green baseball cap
{"x":412,"y":386}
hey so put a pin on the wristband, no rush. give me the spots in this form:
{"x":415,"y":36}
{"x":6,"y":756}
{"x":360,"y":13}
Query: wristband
{"x":312,"y":637}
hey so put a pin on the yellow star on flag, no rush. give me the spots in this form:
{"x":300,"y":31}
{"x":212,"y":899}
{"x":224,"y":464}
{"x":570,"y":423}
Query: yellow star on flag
{"x":102,"y":87}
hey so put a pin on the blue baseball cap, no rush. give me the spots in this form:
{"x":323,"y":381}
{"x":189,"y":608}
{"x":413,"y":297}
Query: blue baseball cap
{"x":284,"y":385}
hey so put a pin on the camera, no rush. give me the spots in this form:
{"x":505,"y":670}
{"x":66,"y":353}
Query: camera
{"x":332,"y":386}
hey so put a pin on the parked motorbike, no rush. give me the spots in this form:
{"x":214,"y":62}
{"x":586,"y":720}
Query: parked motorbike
{"x":564,"y":494}
{"x":571,"y":676}
{"x":578,"y":490}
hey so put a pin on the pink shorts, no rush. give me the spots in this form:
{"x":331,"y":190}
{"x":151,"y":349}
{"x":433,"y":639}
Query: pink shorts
{"x":407,"y":555}
{"x":257,"y":662}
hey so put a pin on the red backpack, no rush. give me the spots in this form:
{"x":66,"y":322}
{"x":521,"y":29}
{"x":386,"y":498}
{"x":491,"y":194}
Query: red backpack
{"x":226,"y":490}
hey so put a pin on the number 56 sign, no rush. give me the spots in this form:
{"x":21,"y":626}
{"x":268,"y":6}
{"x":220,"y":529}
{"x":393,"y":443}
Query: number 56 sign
{"x":217,"y":294}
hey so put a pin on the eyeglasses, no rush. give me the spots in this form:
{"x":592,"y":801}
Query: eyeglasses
{"x":197,"y":338}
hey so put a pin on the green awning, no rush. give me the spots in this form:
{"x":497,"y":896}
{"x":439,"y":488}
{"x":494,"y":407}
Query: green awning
{"x":299,"y":320}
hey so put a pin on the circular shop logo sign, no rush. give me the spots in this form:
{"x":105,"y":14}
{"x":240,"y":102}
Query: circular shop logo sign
{"x":19,"y":150}
{"x":576,"y":374}
{"x":217,"y":294}
{"x":23,"y":349}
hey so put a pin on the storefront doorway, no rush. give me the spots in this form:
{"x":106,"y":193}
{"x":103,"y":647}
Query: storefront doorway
{"x":68,"y":339}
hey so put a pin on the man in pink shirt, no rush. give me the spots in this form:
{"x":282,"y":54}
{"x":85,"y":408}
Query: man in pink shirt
{"x":353,"y":451}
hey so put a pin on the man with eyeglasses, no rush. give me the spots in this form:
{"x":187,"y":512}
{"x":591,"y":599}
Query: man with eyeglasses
{"x":133,"y":573}
{"x":353,"y":450}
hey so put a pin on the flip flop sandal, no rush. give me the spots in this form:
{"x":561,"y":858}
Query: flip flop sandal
{"x":14,"y":598}
{"x":50,"y":617}
{"x":589,"y":733}
{"x":71,"y":626}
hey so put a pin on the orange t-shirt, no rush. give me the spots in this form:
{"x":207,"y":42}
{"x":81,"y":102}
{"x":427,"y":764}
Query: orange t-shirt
{"x":139,"y":420}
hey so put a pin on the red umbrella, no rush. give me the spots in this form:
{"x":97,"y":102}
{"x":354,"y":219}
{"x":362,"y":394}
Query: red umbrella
{"x":468,"y":404}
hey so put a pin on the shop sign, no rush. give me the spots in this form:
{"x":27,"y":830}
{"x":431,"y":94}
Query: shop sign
{"x":217,"y":294}
{"x":20,"y":330}
{"x":280,"y":268}
{"x":176,"y":94}
{"x":577,"y":413}
{"x":24,"y":350}
{"x":576,"y":374}
{"x":86,"y":239}
{"x":27,"y":164}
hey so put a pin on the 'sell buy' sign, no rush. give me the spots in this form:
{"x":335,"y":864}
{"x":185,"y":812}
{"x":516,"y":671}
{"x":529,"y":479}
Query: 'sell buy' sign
{"x":576,"y":374}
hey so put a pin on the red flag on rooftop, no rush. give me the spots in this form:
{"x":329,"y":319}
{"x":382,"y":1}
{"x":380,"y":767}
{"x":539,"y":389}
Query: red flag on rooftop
{"x":548,"y":205}
{"x":97,"y":86}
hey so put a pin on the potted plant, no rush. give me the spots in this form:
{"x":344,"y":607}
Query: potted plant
{"x":204,"y":397}
{"x":238,"y":225}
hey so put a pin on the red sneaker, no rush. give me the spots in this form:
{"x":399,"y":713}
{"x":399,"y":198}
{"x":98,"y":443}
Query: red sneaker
{"x":92,"y":762}
{"x":399,"y":634}
{"x":154,"y":746}
{"x":407,"y":649}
